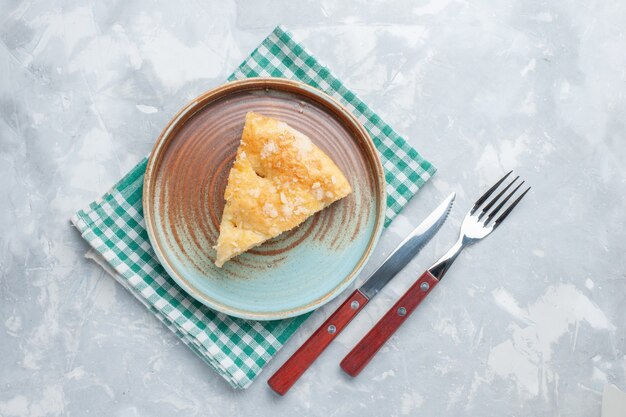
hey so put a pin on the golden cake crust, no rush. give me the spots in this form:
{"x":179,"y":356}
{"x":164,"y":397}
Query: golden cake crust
{"x":278,"y":180}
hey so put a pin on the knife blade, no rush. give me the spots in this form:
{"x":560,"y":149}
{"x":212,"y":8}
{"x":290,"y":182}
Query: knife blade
{"x":407,"y":249}
{"x":299,"y":362}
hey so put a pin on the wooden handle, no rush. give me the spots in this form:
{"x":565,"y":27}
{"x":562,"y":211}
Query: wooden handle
{"x":299,"y":362}
{"x":365,"y":350}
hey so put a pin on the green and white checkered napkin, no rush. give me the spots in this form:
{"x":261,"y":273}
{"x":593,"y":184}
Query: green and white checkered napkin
{"x":114,"y":226}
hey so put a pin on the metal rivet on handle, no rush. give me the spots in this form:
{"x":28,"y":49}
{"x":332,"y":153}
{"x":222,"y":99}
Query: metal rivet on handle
{"x":354,"y":305}
{"x":332,"y":329}
{"x":424,"y":286}
{"x":402,"y":311}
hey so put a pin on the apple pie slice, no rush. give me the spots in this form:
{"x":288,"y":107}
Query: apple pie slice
{"x":278,"y":180}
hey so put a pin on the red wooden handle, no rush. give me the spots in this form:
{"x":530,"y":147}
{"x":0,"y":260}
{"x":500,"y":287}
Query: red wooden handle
{"x":299,"y":362}
{"x":364,"y":351}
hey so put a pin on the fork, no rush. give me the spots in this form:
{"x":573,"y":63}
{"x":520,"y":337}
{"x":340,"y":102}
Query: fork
{"x":478,"y":223}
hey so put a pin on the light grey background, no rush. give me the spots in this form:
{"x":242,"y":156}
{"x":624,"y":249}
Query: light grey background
{"x":528,"y":322}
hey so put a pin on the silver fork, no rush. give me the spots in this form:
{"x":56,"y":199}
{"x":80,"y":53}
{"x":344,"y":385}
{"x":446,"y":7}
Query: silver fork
{"x":479,"y":222}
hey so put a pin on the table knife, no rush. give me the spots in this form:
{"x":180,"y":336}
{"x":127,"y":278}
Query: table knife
{"x":299,"y":362}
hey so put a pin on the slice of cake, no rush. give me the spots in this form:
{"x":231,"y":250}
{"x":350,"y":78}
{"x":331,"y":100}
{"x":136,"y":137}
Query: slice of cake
{"x":278,"y":180}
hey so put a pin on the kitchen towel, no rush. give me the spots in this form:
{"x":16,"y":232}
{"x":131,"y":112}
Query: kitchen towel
{"x":114,"y":226}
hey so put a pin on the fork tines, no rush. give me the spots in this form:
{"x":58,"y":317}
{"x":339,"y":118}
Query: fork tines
{"x":487,"y":207}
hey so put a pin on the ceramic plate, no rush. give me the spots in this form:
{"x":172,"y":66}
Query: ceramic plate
{"x":183,"y":199}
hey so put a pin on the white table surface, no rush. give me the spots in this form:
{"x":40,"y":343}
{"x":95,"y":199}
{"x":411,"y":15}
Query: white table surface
{"x":528,"y":322}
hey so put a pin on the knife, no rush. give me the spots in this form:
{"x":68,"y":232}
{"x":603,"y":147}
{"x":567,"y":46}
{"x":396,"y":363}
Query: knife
{"x":300,"y":361}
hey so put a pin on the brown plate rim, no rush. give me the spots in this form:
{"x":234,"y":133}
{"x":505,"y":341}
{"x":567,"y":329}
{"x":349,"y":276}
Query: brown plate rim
{"x":196,"y":105}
